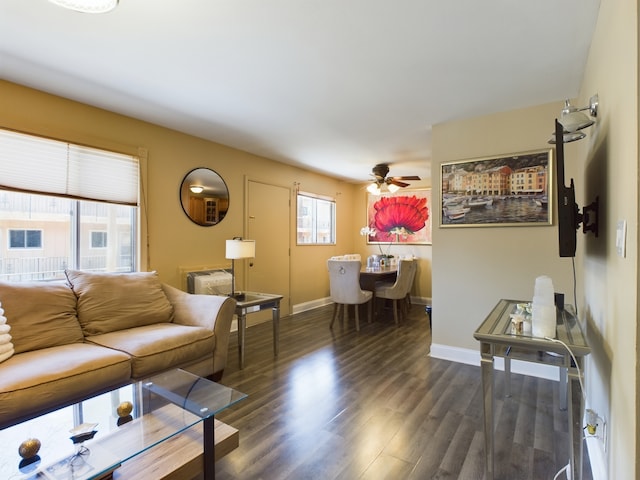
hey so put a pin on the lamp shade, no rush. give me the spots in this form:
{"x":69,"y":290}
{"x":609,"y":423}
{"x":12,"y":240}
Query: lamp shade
{"x":574,"y":121}
{"x":567,"y":137}
{"x":239,"y":248}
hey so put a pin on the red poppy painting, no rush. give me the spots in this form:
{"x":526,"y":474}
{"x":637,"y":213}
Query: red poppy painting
{"x":401,"y":217}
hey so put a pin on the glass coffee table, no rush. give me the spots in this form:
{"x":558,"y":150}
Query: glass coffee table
{"x":93,"y":438}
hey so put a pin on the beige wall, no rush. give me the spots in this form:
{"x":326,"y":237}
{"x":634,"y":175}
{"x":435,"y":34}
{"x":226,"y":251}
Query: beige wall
{"x":173,"y":240}
{"x":474,"y":267}
{"x":609,"y":168}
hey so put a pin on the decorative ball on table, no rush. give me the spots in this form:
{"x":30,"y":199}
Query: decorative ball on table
{"x":28,"y":450}
{"x":124,"y":409}
{"x":124,"y":413}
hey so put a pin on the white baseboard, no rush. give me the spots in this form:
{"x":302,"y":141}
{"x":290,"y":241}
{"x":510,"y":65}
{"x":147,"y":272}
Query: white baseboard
{"x":303,"y":307}
{"x":472,"y":357}
{"x":420,"y":300}
{"x":321,"y":302}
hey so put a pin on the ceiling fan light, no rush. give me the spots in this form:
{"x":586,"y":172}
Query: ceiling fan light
{"x":373,"y":189}
{"x":393,"y":188}
{"x":87,"y":6}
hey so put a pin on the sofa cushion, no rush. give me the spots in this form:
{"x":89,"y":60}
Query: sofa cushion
{"x":154,"y":348}
{"x":32,"y":382}
{"x":108,"y":302}
{"x":41,"y":314}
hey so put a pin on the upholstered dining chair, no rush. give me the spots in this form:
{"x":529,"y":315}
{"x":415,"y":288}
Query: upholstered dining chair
{"x":412,"y":276}
{"x":344,"y":283}
{"x":400,"y":288}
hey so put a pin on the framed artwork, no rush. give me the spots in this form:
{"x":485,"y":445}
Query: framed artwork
{"x":403,"y":217}
{"x":509,"y":190}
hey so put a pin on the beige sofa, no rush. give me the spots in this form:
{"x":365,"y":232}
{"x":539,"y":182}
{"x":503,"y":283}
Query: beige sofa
{"x":97,"y":331}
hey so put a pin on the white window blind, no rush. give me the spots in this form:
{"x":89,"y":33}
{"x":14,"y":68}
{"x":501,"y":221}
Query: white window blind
{"x":41,"y":165}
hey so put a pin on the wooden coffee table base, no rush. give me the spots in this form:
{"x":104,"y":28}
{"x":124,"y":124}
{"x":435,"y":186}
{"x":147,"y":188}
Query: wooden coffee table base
{"x":179,"y":457}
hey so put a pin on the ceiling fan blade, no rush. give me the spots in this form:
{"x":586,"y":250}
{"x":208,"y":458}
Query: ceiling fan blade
{"x":397,"y":182}
{"x":409,"y":177}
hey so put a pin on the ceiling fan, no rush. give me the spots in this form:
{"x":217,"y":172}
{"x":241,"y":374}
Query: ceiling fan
{"x":392,"y":184}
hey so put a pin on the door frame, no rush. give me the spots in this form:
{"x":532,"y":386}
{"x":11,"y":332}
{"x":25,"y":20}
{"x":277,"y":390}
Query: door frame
{"x":245,"y":230}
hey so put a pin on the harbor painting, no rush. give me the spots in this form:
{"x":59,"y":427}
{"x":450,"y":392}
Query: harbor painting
{"x":509,"y":190}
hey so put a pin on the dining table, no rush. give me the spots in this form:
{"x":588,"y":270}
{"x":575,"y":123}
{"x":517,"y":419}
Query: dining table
{"x":370,"y":276}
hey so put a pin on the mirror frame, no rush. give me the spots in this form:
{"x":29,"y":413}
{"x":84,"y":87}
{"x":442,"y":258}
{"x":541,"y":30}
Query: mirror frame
{"x":209,"y":206}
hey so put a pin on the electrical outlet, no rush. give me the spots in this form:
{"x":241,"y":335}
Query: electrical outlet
{"x":603,"y":433}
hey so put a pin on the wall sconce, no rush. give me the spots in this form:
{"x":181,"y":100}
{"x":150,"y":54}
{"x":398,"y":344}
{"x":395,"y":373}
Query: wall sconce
{"x":237,"y":248}
{"x":573,"y":120}
{"x":87,"y":6}
{"x":196,"y":189}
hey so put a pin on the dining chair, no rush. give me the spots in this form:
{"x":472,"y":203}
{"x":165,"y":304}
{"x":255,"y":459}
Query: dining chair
{"x":400,"y":288}
{"x":412,"y":276}
{"x":344,"y":283}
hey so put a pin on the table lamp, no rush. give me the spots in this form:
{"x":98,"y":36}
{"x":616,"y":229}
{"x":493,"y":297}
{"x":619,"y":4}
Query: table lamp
{"x":238,"y":248}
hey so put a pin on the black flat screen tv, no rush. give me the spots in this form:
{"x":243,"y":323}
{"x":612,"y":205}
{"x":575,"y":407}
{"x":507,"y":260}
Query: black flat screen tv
{"x":568,"y":213}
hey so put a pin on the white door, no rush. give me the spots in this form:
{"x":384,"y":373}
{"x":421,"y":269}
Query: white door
{"x":268,"y":223}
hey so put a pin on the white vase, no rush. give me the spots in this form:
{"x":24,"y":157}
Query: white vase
{"x":543,"y":309}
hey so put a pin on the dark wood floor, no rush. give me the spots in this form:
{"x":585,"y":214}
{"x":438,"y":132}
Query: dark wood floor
{"x":341,"y":404}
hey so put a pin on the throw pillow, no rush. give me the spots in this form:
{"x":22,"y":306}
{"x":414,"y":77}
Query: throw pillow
{"x":108,"y":302}
{"x":41,"y":314}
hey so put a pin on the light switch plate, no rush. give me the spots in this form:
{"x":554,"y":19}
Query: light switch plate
{"x":621,"y":238}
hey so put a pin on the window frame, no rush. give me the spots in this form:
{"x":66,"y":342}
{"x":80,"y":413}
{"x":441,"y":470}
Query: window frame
{"x":104,"y":235}
{"x":25,"y":231}
{"x":315,"y":198}
{"x":91,"y":176}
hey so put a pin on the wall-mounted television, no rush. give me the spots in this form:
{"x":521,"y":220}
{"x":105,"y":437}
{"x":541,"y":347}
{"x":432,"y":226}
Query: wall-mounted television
{"x":569,"y":216}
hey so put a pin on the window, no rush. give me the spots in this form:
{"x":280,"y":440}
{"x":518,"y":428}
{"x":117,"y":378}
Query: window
{"x":98,"y":239}
{"x":316,"y":220}
{"x":77,"y":208}
{"x":25,"y":238}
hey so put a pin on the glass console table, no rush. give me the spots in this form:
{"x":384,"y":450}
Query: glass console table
{"x":254,"y":302}
{"x":499,"y":338}
{"x":161,"y":407}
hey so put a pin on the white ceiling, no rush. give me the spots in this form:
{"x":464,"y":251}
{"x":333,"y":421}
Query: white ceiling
{"x":334,"y":86}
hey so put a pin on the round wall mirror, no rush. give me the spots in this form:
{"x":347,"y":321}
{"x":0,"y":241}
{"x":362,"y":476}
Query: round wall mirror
{"x":204,"y":197}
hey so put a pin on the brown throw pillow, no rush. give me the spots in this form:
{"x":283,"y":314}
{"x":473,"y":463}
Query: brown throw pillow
{"x":108,"y":302}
